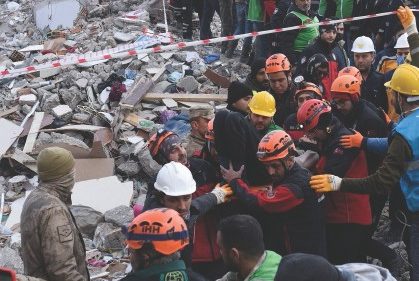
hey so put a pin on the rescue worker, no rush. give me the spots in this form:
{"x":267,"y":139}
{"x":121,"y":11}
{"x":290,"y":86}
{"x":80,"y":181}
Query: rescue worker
{"x":209,"y":153}
{"x":388,"y":63}
{"x":175,"y":189}
{"x":372,"y":85}
{"x":348,"y":215}
{"x":238,"y":97}
{"x":278,"y":69}
{"x":399,"y":164}
{"x":155,"y":239}
{"x":291,"y":215}
{"x":339,"y":9}
{"x":52,"y":246}
{"x":199,"y":116}
{"x":323,"y":44}
{"x":257,"y":80}
{"x":292,"y":43}
{"x":240,"y":238}
{"x":305,"y":91}
{"x":262,"y":109}
{"x":351,"y":70}
{"x":316,"y":70}
{"x":340,"y":49}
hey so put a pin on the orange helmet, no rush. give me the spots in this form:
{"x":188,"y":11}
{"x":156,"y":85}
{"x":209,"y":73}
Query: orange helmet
{"x":347,"y":86}
{"x":309,"y":87}
{"x":308,"y":114}
{"x":163,"y":228}
{"x":209,"y":135}
{"x":156,"y":140}
{"x":274,"y":146}
{"x":351,"y":70}
{"x":277,"y":63}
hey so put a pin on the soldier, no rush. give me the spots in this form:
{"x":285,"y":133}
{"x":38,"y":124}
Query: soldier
{"x":199,"y":116}
{"x":52,"y":246}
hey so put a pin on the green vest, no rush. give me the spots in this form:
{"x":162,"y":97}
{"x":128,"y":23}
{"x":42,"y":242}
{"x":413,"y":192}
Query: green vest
{"x":175,"y":270}
{"x":306,"y":35}
{"x":254,"y":11}
{"x":267,"y":269}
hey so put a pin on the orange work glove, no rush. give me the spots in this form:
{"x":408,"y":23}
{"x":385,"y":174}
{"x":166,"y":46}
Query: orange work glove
{"x":351,"y":141}
{"x":406,"y":17}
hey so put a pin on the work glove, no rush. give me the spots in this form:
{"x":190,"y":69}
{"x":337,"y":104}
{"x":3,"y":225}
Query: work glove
{"x":222,"y":192}
{"x":407,"y":19}
{"x":350,"y":141}
{"x":325,"y":183}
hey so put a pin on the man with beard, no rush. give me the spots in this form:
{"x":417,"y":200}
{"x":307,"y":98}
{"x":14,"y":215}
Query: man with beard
{"x":257,"y":80}
{"x":262,"y":110}
{"x":340,"y":49}
{"x":52,"y":246}
{"x":199,"y":116}
{"x":372,"y":85}
{"x":240,"y":238}
{"x":324,"y":45}
{"x":291,"y":215}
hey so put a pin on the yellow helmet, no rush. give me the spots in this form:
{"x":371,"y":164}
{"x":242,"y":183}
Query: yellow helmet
{"x":405,"y":80}
{"x":263,"y":103}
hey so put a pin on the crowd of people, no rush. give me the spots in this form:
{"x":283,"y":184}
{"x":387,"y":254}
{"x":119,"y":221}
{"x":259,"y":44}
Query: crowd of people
{"x":289,"y":181}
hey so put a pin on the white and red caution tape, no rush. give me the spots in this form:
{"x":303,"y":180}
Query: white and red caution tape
{"x":144,"y":47}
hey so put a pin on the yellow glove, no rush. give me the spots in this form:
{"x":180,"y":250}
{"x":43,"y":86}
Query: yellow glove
{"x":325,"y":183}
{"x":407,"y":18}
{"x":223,"y":193}
{"x":350,"y":141}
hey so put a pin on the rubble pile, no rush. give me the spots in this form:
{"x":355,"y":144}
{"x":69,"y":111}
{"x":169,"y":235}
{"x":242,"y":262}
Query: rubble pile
{"x":102,"y":111}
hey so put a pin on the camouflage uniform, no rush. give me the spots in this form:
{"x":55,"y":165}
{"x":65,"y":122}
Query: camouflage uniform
{"x":52,"y":246}
{"x":193,"y":144}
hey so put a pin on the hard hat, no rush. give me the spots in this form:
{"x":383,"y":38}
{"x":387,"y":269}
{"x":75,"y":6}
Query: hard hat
{"x":405,"y":80}
{"x":175,"y":179}
{"x":346,"y":85}
{"x":402,"y":42}
{"x":274,"y":146}
{"x":209,"y":135}
{"x":156,"y":140}
{"x":163,"y":228}
{"x":277,"y":63}
{"x":263,"y":103}
{"x":309,"y":113}
{"x":351,"y":70}
{"x":363,"y":44}
{"x":309,"y":87}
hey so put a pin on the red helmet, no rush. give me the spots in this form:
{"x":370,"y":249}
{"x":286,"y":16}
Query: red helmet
{"x":309,"y":113}
{"x":277,"y":63}
{"x":274,"y":146}
{"x":164,"y":228}
{"x":351,"y":70}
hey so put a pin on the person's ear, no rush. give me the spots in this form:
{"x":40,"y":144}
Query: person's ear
{"x":194,"y":124}
{"x":235,"y":255}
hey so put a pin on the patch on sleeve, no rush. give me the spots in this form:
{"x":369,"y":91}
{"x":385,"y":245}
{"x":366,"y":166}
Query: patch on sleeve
{"x":338,"y":151}
{"x":173,"y":276}
{"x":65,"y":233}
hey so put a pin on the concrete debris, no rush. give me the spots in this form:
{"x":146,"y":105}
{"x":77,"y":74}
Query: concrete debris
{"x":129,"y":168}
{"x":45,"y":138}
{"x":10,"y":258}
{"x":108,"y":237}
{"x":18,"y":183}
{"x":189,"y":84}
{"x":28,"y":99}
{"x":87,"y":219}
{"x":120,"y":216}
{"x":63,"y":112}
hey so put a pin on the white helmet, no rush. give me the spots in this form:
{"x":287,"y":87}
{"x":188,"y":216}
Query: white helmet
{"x":363,"y":44}
{"x":175,"y":179}
{"x":402,"y":42}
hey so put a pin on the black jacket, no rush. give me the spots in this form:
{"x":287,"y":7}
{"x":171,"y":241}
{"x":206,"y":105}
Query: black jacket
{"x":236,"y":141}
{"x":374,"y":91}
{"x":285,"y":43}
{"x":365,"y":119}
{"x":285,"y":106}
{"x":292,"y":216}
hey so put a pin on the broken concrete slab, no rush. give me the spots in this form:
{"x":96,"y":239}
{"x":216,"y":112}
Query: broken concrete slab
{"x":120,"y":216}
{"x":87,"y":219}
{"x":123,"y":37}
{"x":108,"y":237}
{"x":33,"y":132}
{"x":129,"y":168}
{"x":10,"y":132}
{"x":57,"y":13}
{"x":95,"y":168}
{"x":188,"y":83}
{"x":28,"y":99}
{"x":18,"y":183}
{"x":102,"y":194}
{"x":10,"y":258}
{"x":82,"y":83}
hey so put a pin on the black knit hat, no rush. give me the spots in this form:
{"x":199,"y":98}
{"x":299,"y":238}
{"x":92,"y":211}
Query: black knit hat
{"x":236,"y":91}
{"x":305,"y":267}
{"x":257,"y":65}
